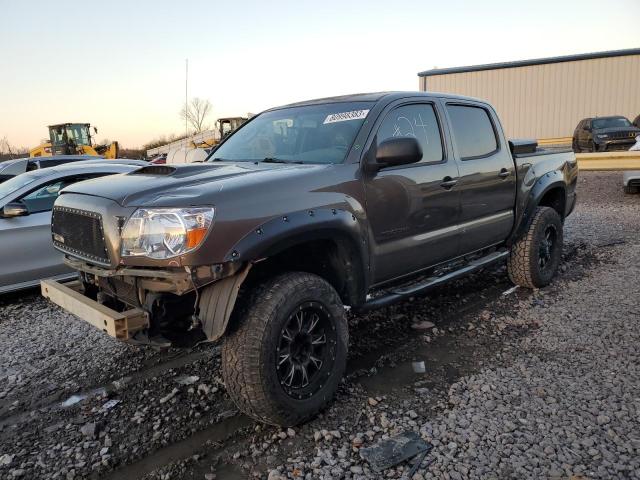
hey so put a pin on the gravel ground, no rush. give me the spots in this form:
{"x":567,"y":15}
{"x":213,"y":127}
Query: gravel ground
{"x":523,"y":384}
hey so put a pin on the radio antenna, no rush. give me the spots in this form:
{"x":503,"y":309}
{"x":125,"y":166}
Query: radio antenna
{"x":186,"y":101}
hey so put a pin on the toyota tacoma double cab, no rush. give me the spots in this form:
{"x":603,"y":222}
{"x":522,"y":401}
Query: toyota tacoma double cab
{"x":303,"y":213}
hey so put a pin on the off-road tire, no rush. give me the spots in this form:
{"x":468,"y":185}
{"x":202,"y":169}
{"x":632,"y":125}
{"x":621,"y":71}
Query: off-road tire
{"x":630,"y":190}
{"x":250,"y":350}
{"x":523,"y":264}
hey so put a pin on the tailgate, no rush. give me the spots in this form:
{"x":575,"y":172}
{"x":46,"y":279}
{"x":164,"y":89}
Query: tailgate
{"x":120,"y":325}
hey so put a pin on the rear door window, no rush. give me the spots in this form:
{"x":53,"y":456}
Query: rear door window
{"x":418,"y":121}
{"x":473,"y":131}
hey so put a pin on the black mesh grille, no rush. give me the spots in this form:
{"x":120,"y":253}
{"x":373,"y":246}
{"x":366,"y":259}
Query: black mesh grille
{"x":79,"y":233}
{"x":620,"y":135}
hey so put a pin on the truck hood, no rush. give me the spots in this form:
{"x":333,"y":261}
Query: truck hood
{"x":183,"y":185}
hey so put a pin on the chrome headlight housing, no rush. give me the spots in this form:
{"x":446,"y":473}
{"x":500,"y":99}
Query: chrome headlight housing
{"x":165,"y":232}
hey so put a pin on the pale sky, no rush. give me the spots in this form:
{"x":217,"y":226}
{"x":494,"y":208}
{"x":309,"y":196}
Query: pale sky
{"x":120,"y":64}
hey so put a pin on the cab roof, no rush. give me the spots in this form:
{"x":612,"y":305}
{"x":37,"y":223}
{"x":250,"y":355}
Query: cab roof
{"x":376,"y":97}
{"x":604,"y":117}
{"x":66,"y":124}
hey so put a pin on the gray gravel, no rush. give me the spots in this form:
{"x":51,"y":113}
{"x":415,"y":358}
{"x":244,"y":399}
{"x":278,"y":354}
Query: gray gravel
{"x":75,"y":403}
{"x":43,"y":353}
{"x":568,"y":404}
{"x":524,"y":385}
{"x":560,"y":402}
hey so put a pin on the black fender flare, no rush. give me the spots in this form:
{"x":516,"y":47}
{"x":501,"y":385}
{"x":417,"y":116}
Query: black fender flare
{"x":280,"y":233}
{"x":274,"y":236}
{"x":546,"y":183}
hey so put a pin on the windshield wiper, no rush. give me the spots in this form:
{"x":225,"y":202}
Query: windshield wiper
{"x":278,"y":160}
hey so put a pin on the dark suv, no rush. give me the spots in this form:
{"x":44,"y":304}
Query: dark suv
{"x":603,"y":134}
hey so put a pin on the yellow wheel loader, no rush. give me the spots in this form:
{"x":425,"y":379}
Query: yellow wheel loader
{"x":73,"y":139}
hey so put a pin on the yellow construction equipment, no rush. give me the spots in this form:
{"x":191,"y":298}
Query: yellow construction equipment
{"x":73,"y":139}
{"x":224,"y":126}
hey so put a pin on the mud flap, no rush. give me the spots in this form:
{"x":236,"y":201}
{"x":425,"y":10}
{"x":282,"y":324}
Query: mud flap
{"x":217,"y":301}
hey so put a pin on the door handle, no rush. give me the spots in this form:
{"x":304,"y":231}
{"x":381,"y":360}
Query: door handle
{"x":504,"y":173}
{"x":448,"y":182}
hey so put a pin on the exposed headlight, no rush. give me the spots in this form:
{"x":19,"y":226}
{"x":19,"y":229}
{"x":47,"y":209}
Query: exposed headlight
{"x":165,"y":232}
{"x":602,"y":135}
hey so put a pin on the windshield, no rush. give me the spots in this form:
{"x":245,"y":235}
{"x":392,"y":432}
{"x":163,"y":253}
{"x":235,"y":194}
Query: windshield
{"x":77,"y":134}
{"x":611,"y":122}
{"x":16,"y":183}
{"x":310,"y":134}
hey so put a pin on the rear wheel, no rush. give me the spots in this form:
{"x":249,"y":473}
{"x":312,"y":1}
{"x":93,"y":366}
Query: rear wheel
{"x":535,"y":257}
{"x":283,"y":363}
{"x":631,"y":189}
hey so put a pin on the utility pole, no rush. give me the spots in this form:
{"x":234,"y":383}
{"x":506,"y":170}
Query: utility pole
{"x":186,"y":101}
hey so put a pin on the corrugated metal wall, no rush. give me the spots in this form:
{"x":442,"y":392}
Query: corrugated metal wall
{"x":547,"y":101}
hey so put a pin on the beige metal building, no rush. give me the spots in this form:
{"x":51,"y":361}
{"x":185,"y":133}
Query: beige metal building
{"x":546,"y":98}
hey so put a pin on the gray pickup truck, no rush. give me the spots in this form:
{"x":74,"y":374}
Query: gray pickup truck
{"x":305,"y":211}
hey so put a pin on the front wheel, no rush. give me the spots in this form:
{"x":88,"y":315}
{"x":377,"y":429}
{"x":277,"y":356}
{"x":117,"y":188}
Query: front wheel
{"x":284,"y":361}
{"x":535,"y":257}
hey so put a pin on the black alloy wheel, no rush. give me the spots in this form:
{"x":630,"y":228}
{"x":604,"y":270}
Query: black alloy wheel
{"x":306,"y":350}
{"x":546,"y":246}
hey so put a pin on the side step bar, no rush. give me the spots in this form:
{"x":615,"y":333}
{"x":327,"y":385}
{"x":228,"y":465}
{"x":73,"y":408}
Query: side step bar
{"x":400,"y":294}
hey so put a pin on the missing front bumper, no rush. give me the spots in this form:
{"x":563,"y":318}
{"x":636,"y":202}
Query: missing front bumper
{"x":170,"y":280}
{"x":119,"y":325}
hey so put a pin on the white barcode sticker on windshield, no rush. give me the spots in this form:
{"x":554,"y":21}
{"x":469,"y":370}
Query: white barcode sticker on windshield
{"x":344,"y":116}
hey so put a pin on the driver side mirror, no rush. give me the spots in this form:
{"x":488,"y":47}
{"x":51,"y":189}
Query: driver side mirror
{"x":397,"y":151}
{"x":14,"y":209}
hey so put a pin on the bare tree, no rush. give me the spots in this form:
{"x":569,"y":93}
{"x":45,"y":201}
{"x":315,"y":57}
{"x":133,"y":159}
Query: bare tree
{"x":196,"y":113}
{"x":6,"y":150}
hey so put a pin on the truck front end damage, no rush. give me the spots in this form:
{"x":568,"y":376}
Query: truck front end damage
{"x":141,"y":297}
{"x":181,"y":305}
